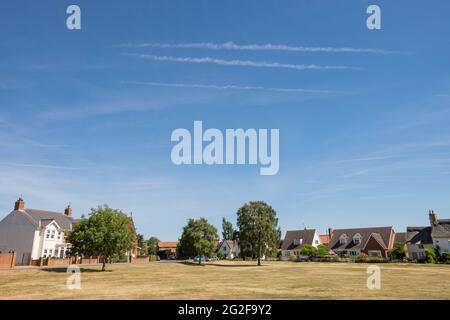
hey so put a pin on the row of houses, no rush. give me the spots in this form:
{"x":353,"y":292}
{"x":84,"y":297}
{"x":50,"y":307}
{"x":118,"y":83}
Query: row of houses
{"x":33,"y":234}
{"x":356,"y":242}
{"x":374,"y":241}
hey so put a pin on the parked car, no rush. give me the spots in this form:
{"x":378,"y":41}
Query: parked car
{"x":201,"y":258}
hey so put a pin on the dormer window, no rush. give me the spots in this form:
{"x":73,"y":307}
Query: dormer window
{"x":52,"y":234}
{"x":343,"y":239}
{"x":298,"y":242}
{"x":357,"y":238}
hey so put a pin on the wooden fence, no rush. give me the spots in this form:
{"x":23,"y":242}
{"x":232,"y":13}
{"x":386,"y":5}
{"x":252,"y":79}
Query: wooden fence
{"x":7,"y":260}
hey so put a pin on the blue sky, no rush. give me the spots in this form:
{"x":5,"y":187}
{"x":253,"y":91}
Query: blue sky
{"x":364,"y":136}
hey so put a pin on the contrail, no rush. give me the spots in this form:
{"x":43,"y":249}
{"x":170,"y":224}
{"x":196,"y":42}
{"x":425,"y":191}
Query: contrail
{"x":228,"y":87}
{"x":243,"y":63}
{"x":254,"y":47}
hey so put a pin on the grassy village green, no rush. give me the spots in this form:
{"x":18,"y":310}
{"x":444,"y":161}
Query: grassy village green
{"x":231,"y":280}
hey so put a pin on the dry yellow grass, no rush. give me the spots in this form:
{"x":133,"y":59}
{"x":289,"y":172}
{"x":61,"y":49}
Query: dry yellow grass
{"x":231,"y":280}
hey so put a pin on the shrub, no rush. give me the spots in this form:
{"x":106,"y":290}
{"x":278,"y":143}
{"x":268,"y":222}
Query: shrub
{"x":398,"y":252}
{"x":326,"y":259}
{"x":431,"y":255}
{"x":370,"y":260}
{"x":308,"y":250}
{"x":445,"y":257}
{"x":293,"y":257}
{"x":322,"y":250}
{"x":119,"y":259}
{"x":221,"y":255}
{"x":154,"y":257}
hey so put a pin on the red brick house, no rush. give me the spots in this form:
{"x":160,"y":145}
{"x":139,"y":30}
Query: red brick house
{"x":373,"y":242}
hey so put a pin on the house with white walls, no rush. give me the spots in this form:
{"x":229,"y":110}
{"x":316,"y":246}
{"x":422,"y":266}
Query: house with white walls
{"x":229,"y":248}
{"x":440,"y":232}
{"x":436,"y":235}
{"x":35,"y":234}
{"x":296,"y":239}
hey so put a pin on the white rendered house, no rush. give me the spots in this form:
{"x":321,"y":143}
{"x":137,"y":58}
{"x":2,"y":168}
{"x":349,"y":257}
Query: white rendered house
{"x":229,"y":248}
{"x":33,"y":234}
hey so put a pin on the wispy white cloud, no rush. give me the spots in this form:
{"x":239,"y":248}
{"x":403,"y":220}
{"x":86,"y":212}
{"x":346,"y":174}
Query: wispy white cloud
{"x":228,"y":87}
{"x":253,"y":47}
{"x":241,"y":63}
{"x":32,"y":145}
{"x":367,"y":159}
{"x":42,"y":166}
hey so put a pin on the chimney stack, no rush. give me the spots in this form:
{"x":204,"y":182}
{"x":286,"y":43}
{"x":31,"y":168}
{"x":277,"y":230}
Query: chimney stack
{"x":68,"y":211}
{"x":20,"y":204}
{"x":433,"y":218}
{"x":330,"y":233}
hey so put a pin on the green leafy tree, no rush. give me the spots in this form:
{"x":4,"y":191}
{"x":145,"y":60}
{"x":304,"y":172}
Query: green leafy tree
{"x":106,"y":233}
{"x":308,"y":250}
{"x":397,"y":252}
{"x":142,"y":244}
{"x":227,"y":230}
{"x":198,"y":239}
{"x":258,"y":229}
{"x":152,"y":244}
{"x":445,"y":257}
{"x":431,"y":255}
{"x":322,"y":250}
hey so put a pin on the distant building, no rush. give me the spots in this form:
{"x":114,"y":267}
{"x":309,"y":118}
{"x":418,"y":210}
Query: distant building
{"x":325,"y":238}
{"x":229,"y":248}
{"x":436,"y":235}
{"x":294,"y":240}
{"x":169,"y":247}
{"x":373,"y":242}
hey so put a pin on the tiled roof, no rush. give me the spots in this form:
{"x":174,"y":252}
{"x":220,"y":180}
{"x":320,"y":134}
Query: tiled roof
{"x":441,"y":229}
{"x":384,"y":233}
{"x":324,"y":239}
{"x":307,"y":235}
{"x":418,"y":235}
{"x":231,"y":243}
{"x":379,"y":239}
{"x":400,"y":237}
{"x":167,"y":244}
{"x":43,"y":218}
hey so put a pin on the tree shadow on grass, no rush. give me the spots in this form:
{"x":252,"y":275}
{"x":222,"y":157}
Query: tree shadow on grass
{"x":236,"y":265}
{"x":64,"y":270}
{"x":195,"y":264}
{"x":189,"y":263}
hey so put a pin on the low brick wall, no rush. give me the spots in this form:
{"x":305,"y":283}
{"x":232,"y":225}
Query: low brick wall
{"x":58,"y":262}
{"x":90,"y":260}
{"x":140,"y":260}
{"x":7,"y":260}
{"x":35,"y":263}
